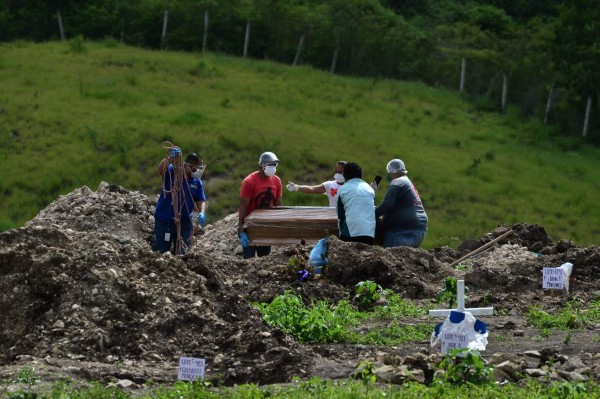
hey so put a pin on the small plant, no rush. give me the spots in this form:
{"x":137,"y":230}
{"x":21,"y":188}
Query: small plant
{"x":501,"y":338}
{"x":296,"y":263}
{"x":461,"y":266}
{"x":27,"y":375}
{"x":321,"y":323}
{"x":544,"y":334}
{"x":500,"y":312}
{"x":567,"y":390}
{"x":449,"y":293}
{"x":77,"y":45}
{"x":367,"y":293}
{"x":465,"y":366}
{"x":571,"y":317}
{"x":366,"y":372}
{"x":398,"y":307}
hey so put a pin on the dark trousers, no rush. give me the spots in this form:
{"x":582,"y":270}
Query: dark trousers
{"x":251,"y":251}
{"x":162,"y":228}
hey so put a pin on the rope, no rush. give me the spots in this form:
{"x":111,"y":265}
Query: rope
{"x":177,"y":192}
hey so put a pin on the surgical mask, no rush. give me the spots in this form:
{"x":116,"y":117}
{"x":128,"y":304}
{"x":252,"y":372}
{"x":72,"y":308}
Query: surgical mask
{"x":270,"y":170}
{"x":339,"y":178}
{"x":199,"y":171}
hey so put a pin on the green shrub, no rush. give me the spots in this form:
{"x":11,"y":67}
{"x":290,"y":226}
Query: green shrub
{"x":465,"y":366}
{"x":367,"y":293}
{"x":77,"y":45}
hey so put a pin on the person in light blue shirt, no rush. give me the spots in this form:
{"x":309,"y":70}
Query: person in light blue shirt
{"x":356,"y":207}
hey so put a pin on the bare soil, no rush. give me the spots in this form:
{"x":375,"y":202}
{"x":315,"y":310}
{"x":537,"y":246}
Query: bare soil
{"x":83,"y":296}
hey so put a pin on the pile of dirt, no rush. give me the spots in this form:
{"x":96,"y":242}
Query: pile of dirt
{"x":81,"y":283}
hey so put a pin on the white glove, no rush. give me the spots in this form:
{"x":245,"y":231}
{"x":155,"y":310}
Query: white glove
{"x":374,"y":185}
{"x":292,"y":187}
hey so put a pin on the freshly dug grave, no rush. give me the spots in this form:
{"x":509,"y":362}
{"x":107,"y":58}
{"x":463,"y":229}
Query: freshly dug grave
{"x":83,"y":295}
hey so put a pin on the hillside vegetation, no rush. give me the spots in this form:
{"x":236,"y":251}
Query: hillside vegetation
{"x":542,"y":50}
{"x":78,"y":113}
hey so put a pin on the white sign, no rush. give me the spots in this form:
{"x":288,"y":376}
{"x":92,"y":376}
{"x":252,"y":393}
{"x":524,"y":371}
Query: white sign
{"x":191,"y":369}
{"x":452,"y":341}
{"x":554,"y":278}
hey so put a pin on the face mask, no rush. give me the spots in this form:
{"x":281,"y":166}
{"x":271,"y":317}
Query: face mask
{"x":270,"y":170}
{"x":388,"y":178}
{"x":199,"y":171}
{"x":339,"y":178}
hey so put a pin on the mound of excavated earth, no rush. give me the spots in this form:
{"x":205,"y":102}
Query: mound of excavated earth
{"x":83,"y":294}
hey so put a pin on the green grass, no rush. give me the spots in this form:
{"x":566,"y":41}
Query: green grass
{"x":572,"y":316}
{"x":78,"y":113}
{"x":319,"y":388}
{"x":322,"y":322}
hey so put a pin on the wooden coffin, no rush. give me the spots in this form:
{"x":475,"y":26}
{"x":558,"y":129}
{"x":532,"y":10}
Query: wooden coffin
{"x":289,"y":225}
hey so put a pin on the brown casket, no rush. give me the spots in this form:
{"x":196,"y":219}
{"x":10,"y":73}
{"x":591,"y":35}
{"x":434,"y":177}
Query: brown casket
{"x":288,"y":225}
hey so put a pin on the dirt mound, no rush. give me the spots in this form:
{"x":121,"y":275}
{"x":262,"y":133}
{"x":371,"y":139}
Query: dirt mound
{"x":80,"y":281}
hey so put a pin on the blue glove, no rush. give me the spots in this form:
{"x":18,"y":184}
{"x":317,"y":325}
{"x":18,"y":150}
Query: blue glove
{"x":174,"y":152}
{"x":201,"y":218}
{"x":303,"y":275}
{"x":244,"y":239}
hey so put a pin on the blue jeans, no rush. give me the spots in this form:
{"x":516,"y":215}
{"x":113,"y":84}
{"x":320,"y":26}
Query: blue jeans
{"x":161,"y":228}
{"x":405,"y":238}
{"x":251,"y":251}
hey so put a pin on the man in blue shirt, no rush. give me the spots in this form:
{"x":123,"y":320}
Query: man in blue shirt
{"x":356,"y":207}
{"x":182,"y":180}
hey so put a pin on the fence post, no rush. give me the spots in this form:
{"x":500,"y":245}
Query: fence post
{"x":164,"y":29}
{"x":504,"y":92}
{"x":588,"y":111}
{"x":247,"y":38}
{"x":60,"y":26}
{"x":299,"y":50}
{"x":335,"y":56}
{"x":205,"y":36}
{"x":549,"y":104}
{"x":463,"y":72}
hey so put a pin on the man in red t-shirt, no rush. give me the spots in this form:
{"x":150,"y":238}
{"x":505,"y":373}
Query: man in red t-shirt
{"x":260,"y":189}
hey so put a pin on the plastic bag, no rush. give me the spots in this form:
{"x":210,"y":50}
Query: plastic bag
{"x":318,"y":255}
{"x":462,"y":323}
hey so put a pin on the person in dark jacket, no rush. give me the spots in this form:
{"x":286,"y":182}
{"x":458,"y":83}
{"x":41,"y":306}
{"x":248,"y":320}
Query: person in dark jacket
{"x":402,"y":216}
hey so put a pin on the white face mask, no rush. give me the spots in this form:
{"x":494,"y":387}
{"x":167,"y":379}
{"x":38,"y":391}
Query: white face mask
{"x":270,"y":170}
{"x":199,"y":171}
{"x":339,"y":178}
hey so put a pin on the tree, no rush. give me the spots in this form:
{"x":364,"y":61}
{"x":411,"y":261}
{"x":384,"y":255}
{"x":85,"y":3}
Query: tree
{"x":577,"y":50}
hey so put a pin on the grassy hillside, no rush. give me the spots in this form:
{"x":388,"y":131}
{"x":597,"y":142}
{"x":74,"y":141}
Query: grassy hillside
{"x":74,"y":114}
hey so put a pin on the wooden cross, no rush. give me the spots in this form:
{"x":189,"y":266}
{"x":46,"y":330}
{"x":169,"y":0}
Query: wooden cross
{"x":460,"y":299}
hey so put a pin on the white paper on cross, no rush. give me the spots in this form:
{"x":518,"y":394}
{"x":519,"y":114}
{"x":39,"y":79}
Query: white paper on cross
{"x":460,"y":307}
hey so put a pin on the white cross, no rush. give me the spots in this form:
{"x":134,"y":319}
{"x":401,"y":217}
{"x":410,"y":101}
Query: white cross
{"x":460,"y":299}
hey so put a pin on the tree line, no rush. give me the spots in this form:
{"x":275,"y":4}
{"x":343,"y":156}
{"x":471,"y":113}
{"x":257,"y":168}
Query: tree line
{"x":541,"y":55}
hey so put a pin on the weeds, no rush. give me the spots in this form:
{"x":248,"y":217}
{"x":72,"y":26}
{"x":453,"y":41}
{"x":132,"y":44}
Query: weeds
{"x":320,"y":324}
{"x":449,"y":293}
{"x":325,"y":323}
{"x":77,"y":45}
{"x":397,"y":307}
{"x":27,"y":375}
{"x":571,"y":317}
{"x":367,"y":293}
{"x":465,"y":366}
{"x":366,"y":373}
